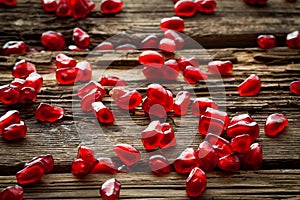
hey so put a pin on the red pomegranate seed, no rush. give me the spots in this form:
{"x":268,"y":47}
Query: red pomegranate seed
{"x":48,"y":113}
{"x":152,"y":59}
{"x":206,"y":6}
{"x":168,"y":139}
{"x":67,"y":76}
{"x":220,"y":67}
{"x":53,"y":41}
{"x":90,"y":4}
{"x":94,"y":96}
{"x":27,"y":95}
{"x":14,"y":47}
{"x":110,"y":189}
{"x":104,"y":46}
{"x":85,"y":71}
{"x":186,"y":161}
{"x":127,"y":154}
{"x":167,"y":45}
{"x":90,"y":86}
{"x":256,"y":2}
{"x":229,"y":163}
{"x":173,"y":23}
{"x":157,"y":93}
{"x":185,"y":8}
{"x":9,"y":94}
{"x":242,"y":117}
{"x":86,"y":154}
{"x":35,"y":81}
{"x":179,"y":41}
{"x":111,"y":6}
{"x":275,"y":124}
{"x":211,"y":112}
{"x":47,"y":162}
{"x":80,"y":168}
{"x":221,"y":146}
{"x":126,"y":47}
{"x":150,"y":42}
{"x":192,"y":75}
{"x":170,"y":70}
{"x":210,"y":125}
{"x":12,"y":193}
{"x":243,"y":127}
{"x":200,"y":105}
{"x":159,"y":165}
{"x":81,"y":38}
{"x":30,"y":174}
{"x":153,"y":108}
{"x":10,"y":2}
{"x":241,"y":143}
{"x":112,"y":81}
{"x":102,"y":113}
{"x":79,"y":8}
{"x":182,"y":102}
{"x":18,"y":83}
{"x":9,"y":118}
{"x":293,"y":40}
{"x":295,"y":87}
{"x":23,"y":69}
{"x":250,"y":87}
{"x":63,"y":8}
{"x":207,"y":157}
{"x":15,"y":131}
{"x":252,"y":160}
{"x":64,"y":61}
{"x":49,"y":5}
{"x":104,"y":166}
{"x":126,"y":99}
{"x":184,"y":62}
{"x":195,"y":183}
{"x":152,"y":135}
{"x":266,"y":41}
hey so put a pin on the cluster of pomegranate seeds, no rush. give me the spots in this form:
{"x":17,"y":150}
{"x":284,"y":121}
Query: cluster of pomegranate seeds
{"x":250,"y":86}
{"x":196,"y":182}
{"x":126,"y":99}
{"x":266,"y":41}
{"x":110,"y":189}
{"x":13,"y":47}
{"x":220,"y":67}
{"x":275,"y":124}
{"x":159,"y":165}
{"x":53,"y":41}
{"x":109,"y":7}
{"x":15,"y":192}
{"x":256,"y":2}
{"x":188,"y":8}
{"x":295,"y":87}
{"x":293,"y":40}
{"x":9,"y":2}
{"x":35,"y":169}
{"x":48,"y":113}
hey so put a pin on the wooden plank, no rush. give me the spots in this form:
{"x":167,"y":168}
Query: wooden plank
{"x":269,"y":184}
{"x":234,"y":24}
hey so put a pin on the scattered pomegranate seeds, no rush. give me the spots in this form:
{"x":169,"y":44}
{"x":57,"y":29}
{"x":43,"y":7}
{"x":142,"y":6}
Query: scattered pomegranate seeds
{"x":266,"y":41}
{"x":53,"y":41}
{"x":192,"y":75}
{"x":110,"y":189}
{"x":293,"y":40}
{"x":102,"y":113}
{"x":112,"y":81}
{"x":220,"y":67}
{"x":200,"y":105}
{"x":15,"y":192}
{"x":256,"y":2}
{"x":81,"y":38}
{"x":173,"y":23}
{"x":48,"y":113}
{"x":196,"y":182}
{"x":13,"y":47}
{"x":80,"y":168}
{"x":295,"y":87}
{"x":104,"y":165}
{"x":250,"y":86}
{"x":186,"y":161}
{"x":207,"y":157}
{"x":111,"y":6}
{"x":23,"y":69}
{"x":182,"y":102}
{"x":159,"y":165}
{"x":152,"y":59}
{"x":206,"y":6}
{"x":127,"y":154}
{"x":185,"y":8}
{"x":275,"y":124}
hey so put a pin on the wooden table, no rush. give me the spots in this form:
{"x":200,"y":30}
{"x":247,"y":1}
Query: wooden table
{"x":229,"y":34}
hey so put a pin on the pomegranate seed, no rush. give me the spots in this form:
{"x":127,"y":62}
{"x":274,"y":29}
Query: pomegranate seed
{"x":112,"y":81}
{"x":153,"y":108}
{"x":27,"y":95}
{"x":210,"y":125}
{"x":22,"y":69}
{"x":256,"y":2}
{"x":250,"y":87}
{"x":200,"y":105}
{"x":48,"y":113}
{"x":104,"y":46}
{"x":79,"y":8}
{"x":186,"y":161}
{"x":10,"y":2}
{"x":110,"y":189}
{"x":206,"y":6}
{"x":94,"y":96}
{"x":266,"y":41}
{"x":185,"y":8}
{"x":80,"y":168}
{"x":295,"y":87}
{"x":211,"y":112}
{"x":87,"y":155}
{"x":111,"y":6}
{"x":126,"y":47}
{"x":207,"y":157}
{"x":229,"y":163}
{"x":184,"y":62}
{"x":9,"y":118}
{"x":173,"y":23}
{"x":243,"y":127}
{"x":12,"y":193}
{"x":15,"y":131}
{"x":63,"y":8}
{"x":168,"y":139}
{"x":293,"y":40}
{"x":18,"y":83}
{"x":195,"y":183}
{"x":220,"y":67}
{"x":170,"y":70}
{"x":159,"y":165}
{"x":126,"y":99}
{"x":152,"y":59}
{"x":67,"y":76}
{"x":150,"y":42}
{"x":30,"y":174}
{"x":102,"y":113}
{"x":167,"y":45}
{"x":90,"y":4}
{"x":157,"y":93}
{"x":179,"y":41}
{"x":127,"y":154}
{"x":81,"y":38}
{"x":242,"y":117}
{"x":104,"y":166}
{"x":53,"y":41}
{"x":35,"y":81}
{"x":9,"y":94}
{"x":47,"y":162}
{"x":90,"y":86}
{"x":63,"y":61}
{"x":182,"y":102}
{"x":14,"y":47}
{"x":85,"y":71}
{"x":192,"y":75}
{"x":221,"y":146}
{"x":49,"y":5}
{"x":241,"y":143}
{"x":252,"y":160}
{"x":152,"y":135}
{"x":275,"y":124}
